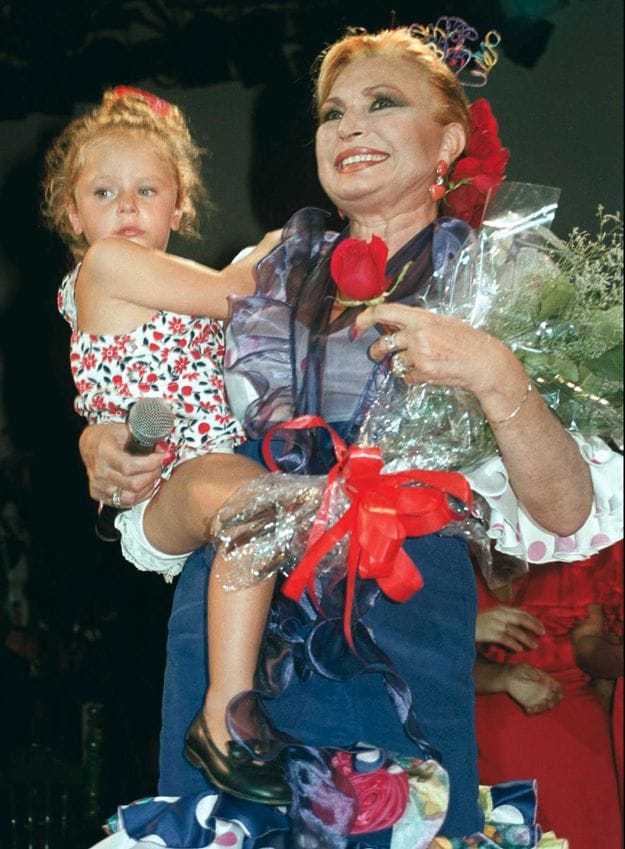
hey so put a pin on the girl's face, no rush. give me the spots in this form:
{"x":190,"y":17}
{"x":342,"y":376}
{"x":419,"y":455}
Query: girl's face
{"x":378,"y":141}
{"x":125,"y":189}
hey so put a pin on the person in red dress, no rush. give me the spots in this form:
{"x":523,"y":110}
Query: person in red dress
{"x":537,"y":714}
{"x":601,"y":654}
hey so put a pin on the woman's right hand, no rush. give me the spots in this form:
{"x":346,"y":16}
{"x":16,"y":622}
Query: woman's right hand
{"x":110,"y":467}
{"x":546,"y":470}
{"x":508,"y":626}
{"x":534,"y":690}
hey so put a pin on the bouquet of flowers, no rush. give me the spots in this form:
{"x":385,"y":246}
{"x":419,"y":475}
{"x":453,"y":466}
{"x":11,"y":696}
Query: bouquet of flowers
{"x":557,"y":305}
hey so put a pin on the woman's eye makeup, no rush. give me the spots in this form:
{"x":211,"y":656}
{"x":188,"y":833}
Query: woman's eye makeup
{"x":331,"y":114}
{"x":378,"y":102}
{"x":384,"y":101}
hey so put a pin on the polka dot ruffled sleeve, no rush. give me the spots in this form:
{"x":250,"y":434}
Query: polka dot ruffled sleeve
{"x":515,"y":532}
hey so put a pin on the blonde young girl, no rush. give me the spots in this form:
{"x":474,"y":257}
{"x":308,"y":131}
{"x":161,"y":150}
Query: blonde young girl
{"x":119,"y":180}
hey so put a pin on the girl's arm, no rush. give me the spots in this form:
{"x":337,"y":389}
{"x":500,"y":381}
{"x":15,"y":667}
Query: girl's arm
{"x":119,"y":272}
{"x":595,"y":652}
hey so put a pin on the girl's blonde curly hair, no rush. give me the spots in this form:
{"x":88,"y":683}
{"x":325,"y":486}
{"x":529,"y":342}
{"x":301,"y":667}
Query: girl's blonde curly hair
{"x":123,"y":110}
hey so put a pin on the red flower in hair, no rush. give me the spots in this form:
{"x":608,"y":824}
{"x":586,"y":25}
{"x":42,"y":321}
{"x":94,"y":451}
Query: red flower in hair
{"x":481,"y":168}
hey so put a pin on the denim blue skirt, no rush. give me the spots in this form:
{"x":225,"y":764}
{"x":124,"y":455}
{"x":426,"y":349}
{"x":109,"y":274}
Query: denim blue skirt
{"x":430,"y":640}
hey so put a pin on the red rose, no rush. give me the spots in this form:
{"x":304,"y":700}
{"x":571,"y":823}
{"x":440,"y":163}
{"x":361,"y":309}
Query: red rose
{"x":481,"y":168}
{"x":468,"y":205}
{"x":482,"y":118}
{"x":357,"y":268}
{"x":473,"y":172}
{"x":382,"y":795}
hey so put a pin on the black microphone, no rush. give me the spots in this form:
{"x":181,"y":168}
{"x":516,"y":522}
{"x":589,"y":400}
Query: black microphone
{"x":149,"y":420}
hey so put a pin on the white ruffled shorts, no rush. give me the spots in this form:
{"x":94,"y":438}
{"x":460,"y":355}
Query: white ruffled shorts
{"x":138,"y":551}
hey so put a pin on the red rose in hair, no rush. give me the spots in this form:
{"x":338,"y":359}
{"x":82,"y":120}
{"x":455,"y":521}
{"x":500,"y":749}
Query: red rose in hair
{"x":357,"y":268}
{"x":382,"y":795}
{"x":480,"y":169}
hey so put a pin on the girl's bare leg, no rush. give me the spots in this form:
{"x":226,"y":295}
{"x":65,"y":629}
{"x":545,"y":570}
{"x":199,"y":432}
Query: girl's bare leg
{"x":236,"y":623}
{"x":178,"y":517}
{"x":177,"y":521}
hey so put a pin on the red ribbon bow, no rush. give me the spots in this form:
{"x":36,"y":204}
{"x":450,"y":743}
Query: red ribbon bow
{"x":384,"y":510}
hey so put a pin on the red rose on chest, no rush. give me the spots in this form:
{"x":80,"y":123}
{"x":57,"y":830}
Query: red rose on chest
{"x":358,"y":269}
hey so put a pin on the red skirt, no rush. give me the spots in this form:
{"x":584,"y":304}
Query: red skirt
{"x":568,"y":750}
{"x":617,"y":735}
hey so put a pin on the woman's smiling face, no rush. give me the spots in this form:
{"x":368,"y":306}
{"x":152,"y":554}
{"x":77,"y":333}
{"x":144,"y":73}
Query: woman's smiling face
{"x":378,"y":141}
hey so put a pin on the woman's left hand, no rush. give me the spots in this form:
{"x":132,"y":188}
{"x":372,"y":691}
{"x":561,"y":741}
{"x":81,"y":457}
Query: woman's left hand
{"x":442,"y":350}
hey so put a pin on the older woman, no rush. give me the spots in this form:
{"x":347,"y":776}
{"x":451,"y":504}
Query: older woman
{"x":389,"y":111}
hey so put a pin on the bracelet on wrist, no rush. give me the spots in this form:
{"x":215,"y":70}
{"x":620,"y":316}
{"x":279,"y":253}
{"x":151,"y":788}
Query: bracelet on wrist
{"x":517,"y":409}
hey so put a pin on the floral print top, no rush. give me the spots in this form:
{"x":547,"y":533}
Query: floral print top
{"x":174,"y":357}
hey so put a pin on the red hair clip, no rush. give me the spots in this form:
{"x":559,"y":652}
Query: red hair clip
{"x":159,"y":106}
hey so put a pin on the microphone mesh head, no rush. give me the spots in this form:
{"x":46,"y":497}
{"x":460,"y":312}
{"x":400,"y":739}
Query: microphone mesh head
{"x":150,"y":420}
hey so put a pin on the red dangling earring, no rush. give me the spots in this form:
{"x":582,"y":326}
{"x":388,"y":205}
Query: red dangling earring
{"x":438,"y":188}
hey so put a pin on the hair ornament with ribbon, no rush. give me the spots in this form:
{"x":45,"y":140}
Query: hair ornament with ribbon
{"x":159,"y":106}
{"x":449,"y":38}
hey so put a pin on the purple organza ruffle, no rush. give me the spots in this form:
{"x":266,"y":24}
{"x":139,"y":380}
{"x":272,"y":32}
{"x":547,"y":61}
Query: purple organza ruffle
{"x":281,"y":342}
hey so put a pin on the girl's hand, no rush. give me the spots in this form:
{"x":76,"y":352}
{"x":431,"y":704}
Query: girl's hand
{"x":508,"y":626}
{"x":110,"y":467}
{"x":533,"y":689}
{"x":252,"y":256}
{"x":238,"y":277}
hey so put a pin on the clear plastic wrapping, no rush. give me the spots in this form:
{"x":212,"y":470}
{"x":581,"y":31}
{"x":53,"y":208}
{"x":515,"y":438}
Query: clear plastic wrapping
{"x":265,"y":527}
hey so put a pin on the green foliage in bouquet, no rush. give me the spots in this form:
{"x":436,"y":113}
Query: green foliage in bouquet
{"x":567,"y":328}
{"x":557,"y":304}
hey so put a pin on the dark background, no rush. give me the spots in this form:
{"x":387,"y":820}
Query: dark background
{"x":80,"y":624}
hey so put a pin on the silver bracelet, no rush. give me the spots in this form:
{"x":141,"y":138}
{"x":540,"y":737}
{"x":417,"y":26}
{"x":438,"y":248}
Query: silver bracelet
{"x":516,"y":410}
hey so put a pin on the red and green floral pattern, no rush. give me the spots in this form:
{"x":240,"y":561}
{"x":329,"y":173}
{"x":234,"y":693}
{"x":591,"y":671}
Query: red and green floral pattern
{"x":174,"y":357}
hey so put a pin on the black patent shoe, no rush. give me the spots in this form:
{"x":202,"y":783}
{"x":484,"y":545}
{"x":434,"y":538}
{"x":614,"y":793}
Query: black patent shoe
{"x":236,"y":772}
